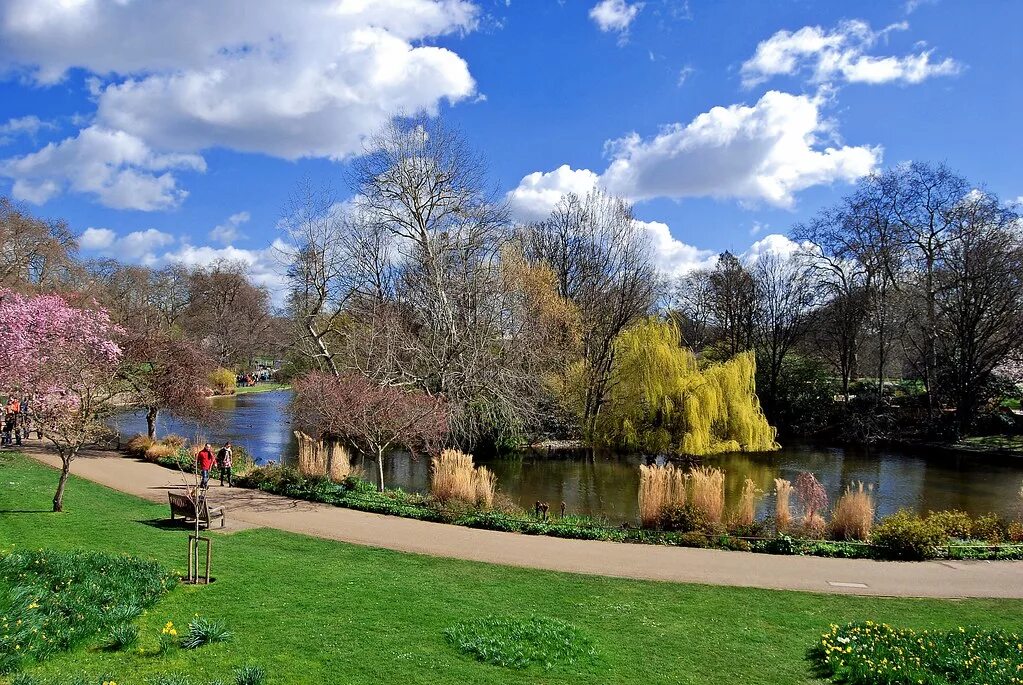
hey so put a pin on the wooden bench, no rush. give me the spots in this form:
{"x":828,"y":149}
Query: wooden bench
{"x":181,"y":505}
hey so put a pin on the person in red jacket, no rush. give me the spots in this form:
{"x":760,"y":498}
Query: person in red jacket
{"x":205,"y":461}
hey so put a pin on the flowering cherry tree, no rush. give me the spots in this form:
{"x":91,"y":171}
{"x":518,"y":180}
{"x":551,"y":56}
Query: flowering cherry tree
{"x":65,"y":361}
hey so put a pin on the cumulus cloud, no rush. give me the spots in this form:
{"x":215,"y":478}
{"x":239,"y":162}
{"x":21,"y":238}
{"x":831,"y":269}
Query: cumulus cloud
{"x":137,"y":246}
{"x":538,"y":192}
{"x":774,"y":244}
{"x":227,"y":232}
{"x":615,"y":15}
{"x":291,"y":80}
{"x":672,"y":256}
{"x":263,"y":267}
{"x":764,"y":152}
{"x":839,"y":55}
{"x":117,"y":168}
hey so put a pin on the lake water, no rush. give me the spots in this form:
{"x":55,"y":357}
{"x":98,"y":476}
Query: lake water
{"x":607,"y":484}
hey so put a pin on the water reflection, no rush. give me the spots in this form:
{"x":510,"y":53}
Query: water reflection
{"x":607,"y":484}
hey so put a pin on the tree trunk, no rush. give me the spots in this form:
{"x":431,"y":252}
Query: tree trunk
{"x":151,"y":413}
{"x":58,"y":499}
{"x":380,"y":467}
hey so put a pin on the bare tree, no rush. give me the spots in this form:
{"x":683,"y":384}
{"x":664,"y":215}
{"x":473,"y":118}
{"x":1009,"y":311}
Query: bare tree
{"x":786,"y":293}
{"x":978,"y":301}
{"x":34,"y":253}
{"x":690,"y":305}
{"x":732,"y":304}
{"x":603,"y":263}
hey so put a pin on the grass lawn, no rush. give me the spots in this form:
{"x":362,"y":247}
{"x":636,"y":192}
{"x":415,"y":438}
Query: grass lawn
{"x":316,"y":611}
{"x":994,"y":442}
{"x":261,"y":387}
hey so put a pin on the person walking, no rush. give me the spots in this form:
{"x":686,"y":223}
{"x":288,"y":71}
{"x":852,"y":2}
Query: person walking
{"x":205,"y":461}
{"x":224,"y":463}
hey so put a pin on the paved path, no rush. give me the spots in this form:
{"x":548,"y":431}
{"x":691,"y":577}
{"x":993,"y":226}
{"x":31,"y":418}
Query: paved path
{"x":252,"y":508}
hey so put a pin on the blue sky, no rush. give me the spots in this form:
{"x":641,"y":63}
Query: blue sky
{"x":175,"y":130}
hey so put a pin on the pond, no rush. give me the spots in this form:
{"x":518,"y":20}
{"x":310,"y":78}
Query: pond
{"x":607,"y":484}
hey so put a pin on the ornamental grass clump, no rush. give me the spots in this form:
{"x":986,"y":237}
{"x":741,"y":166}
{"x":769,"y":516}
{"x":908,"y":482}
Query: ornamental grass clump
{"x":854,"y":514}
{"x":661,"y":488}
{"x":204,"y":631}
{"x":64,"y":598}
{"x":871,"y":653}
{"x":782,"y":508}
{"x":708,"y":487}
{"x":454,"y":478}
{"x":520,"y":643}
{"x":746,"y":511}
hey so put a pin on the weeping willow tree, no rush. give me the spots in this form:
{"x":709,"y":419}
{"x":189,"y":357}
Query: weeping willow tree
{"x":661,"y":400}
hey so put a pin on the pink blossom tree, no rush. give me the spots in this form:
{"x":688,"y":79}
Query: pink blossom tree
{"x":369,"y":417}
{"x":65,"y":361}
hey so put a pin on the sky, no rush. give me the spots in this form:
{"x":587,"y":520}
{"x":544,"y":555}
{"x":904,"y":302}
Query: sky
{"x":175,"y":130}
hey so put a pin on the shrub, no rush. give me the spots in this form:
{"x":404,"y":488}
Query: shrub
{"x":693,"y":539}
{"x":812,"y":496}
{"x":904,"y":535}
{"x":223,"y":382}
{"x":160,"y":450}
{"x":518,"y":643}
{"x":953,"y":523}
{"x":121,"y":636}
{"x":1015,"y":532}
{"x":813,"y":527}
{"x":782,"y":513}
{"x":708,"y":486}
{"x":137,"y":445}
{"x":877,"y":654}
{"x":661,"y":488}
{"x":249,"y":675}
{"x":683,"y":518}
{"x":989,"y":528}
{"x":204,"y":631}
{"x":746,"y":511}
{"x":854,"y":514}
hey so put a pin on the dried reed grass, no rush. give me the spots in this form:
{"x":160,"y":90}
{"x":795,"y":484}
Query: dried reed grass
{"x":746,"y":511}
{"x":660,"y":488}
{"x":782,"y":510}
{"x":854,"y":514}
{"x":453,"y":477}
{"x":708,"y":487}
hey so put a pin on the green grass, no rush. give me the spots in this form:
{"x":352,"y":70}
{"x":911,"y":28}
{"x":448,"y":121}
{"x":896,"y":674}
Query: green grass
{"x":261,"y":387}
{"x":314,"y":611}
{"x":1012,"y":443}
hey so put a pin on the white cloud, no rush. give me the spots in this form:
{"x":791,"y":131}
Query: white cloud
{"x":137,"y":246}
{"x":290,"y":80}
{"x":615,"y":15}
{"x":227,"y":232}
{"x":119,"y":169}
{"x":22,"y":126}
{"x":263,"y":267}
{"x":840,"y":55}
{"x":684,"y":73}
{"x":774,"y":244}
{"x":672,"y":256}
{"x":538,"y":192}
{"x":757,"y":228}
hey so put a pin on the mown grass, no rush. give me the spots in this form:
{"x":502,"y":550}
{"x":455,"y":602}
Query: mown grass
{"x":316,"y":611}
{"x":261,"y":387}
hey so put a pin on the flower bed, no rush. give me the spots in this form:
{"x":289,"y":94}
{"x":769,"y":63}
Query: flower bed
{"x":871,"y":653}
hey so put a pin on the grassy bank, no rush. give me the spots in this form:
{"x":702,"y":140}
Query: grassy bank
{"x":312,"y":611}
{"x":261,"y":387}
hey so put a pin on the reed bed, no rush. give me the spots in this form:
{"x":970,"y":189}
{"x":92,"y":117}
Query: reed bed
{"x":660,"y":488}
{"x":746,"y":511}
{"x":708,"y":491}
{"x":854,"y":514}
{"x":453,"y":477}
{"x":782,"y":509}
{"x":318,"y":458}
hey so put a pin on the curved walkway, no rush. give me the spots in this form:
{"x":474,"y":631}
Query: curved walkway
{"x":253,"y":508}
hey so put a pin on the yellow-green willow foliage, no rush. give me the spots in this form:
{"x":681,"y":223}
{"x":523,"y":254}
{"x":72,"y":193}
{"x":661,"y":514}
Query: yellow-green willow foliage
{"x":662,"y":401}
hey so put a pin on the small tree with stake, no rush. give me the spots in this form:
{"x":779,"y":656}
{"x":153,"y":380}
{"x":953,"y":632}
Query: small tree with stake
{"x":66,"y":360}
{"x":370,"y":418}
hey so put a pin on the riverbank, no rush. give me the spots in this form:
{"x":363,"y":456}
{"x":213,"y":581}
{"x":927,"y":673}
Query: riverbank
{"x":255,"y":389}
{"x":309,"y":610}
{"x":254,"y":508}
